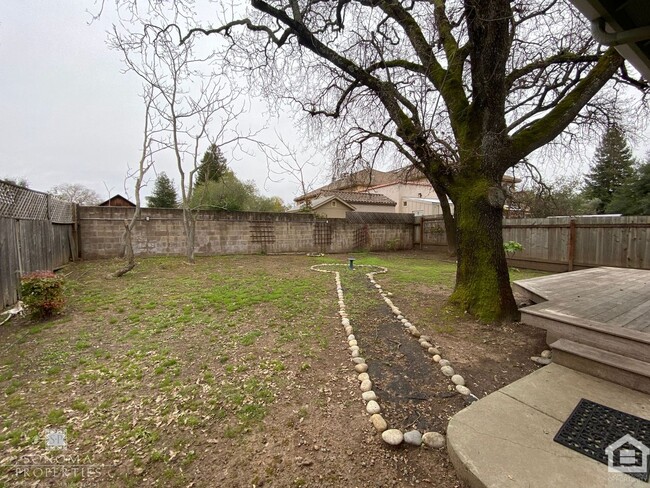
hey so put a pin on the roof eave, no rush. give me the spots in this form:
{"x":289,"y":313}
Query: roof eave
{"x":593,"y":10}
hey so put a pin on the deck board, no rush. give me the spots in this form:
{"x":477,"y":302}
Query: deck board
{"x":615,"y":297}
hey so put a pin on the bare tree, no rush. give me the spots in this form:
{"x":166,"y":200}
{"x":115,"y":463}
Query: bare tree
{"x":149,"y":147}
{"x":189,"y":103}
{"x":288,"y":163}
{"x":109,"y":191}
{"x":75,"y":192}
{"x":536,"y":196}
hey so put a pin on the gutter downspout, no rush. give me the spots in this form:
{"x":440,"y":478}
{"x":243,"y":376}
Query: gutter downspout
{"x":617,"y":38}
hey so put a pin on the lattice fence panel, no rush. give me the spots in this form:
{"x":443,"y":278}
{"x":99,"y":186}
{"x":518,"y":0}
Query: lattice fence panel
{"x":361,"y":237}
{"x":61,"y":212}
{"x":24,"y":204}
{"x":21,"y":203}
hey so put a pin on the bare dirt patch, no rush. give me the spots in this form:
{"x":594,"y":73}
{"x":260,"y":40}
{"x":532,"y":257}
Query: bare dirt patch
{"x":235,"y":372}
{"x":412,"y":391}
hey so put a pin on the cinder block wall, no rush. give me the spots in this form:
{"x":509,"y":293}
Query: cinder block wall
{"x":161,"y":232}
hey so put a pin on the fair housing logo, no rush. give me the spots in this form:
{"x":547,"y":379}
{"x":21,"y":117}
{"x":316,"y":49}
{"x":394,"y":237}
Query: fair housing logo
{"x":627,"y":455}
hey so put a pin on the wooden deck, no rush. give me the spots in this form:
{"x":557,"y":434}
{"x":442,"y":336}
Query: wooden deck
{"x":615,"y":297}
{"x":597,"y":321}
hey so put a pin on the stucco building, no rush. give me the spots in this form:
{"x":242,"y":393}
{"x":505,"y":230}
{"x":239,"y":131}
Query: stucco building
{"x":404,"y":190}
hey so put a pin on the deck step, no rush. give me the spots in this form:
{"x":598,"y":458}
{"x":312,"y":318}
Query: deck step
{"x":619,"y":340}
{"x":626,"y":371}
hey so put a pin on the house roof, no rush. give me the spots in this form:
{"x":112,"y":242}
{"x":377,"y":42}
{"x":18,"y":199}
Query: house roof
{"x":407,"y":174}
{"x":323,"y":200}
{"x":366,"y":178}
{"x":352,"y":197}
{"x":373,"y":178}
{"x":118,"y":197}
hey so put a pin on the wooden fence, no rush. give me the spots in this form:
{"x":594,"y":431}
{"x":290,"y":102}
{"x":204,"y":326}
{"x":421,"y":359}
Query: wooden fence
{"x":564,"y":243}
{"x":37,"y":232}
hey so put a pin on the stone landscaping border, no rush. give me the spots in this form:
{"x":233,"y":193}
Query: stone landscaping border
{"x":393,"y":436}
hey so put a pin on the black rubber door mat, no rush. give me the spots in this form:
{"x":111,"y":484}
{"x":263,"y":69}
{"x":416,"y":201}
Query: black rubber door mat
{"x":610,"y":436}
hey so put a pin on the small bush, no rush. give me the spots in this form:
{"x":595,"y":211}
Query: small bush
{"x":42,"y":292}
{"x":512,"y":247}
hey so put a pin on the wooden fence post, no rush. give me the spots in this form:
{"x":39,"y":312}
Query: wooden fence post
{"x":572,"y":243}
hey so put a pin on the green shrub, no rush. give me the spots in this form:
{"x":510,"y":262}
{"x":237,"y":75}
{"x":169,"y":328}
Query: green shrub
{"x":42,"y":292}
{"x":512,"y":247}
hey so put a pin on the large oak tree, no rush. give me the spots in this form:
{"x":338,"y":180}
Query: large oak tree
{"x":463,"y":89}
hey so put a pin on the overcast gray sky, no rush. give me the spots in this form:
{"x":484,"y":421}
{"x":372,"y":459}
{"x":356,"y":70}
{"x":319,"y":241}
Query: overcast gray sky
{"x":68,"y":114}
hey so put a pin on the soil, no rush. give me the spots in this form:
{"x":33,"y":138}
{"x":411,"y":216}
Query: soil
{"x":412,"y":391}
{"x":315,"y":432}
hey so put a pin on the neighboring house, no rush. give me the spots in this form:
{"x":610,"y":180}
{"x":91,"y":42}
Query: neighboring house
{"x":411,"y":190}
{"x":382,"y":192}
{"x":117,"y":201}
{"x":331,"y":207}
{"x":407,"y":189}
{"x":335,"y":204}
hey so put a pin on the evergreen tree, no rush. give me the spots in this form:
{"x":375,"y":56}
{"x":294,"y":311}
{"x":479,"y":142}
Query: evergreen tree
{"x":613,"y":166}
{"x":164,"y":194}
{"x":213,"y":166}
{"x":633,"y":197}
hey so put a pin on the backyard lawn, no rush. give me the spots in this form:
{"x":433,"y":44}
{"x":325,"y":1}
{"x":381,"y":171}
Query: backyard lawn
{"x":235,"y":372}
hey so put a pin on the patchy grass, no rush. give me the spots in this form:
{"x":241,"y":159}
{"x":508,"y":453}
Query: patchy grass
{"x":415,"y":275}
{"x":173,"y":369}
{"x":413,"y":268}
{"x":409,"y":270}
{"x":140,"y":364}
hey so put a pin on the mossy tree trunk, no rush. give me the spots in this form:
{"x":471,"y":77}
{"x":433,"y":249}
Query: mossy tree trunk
{"x":482,"y":278}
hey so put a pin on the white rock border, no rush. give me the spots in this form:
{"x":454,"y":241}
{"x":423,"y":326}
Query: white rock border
{"x":390,"y":436}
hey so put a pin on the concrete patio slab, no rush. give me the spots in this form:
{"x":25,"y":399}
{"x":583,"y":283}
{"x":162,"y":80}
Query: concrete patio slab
{"x":506,"y":438}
